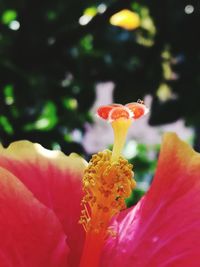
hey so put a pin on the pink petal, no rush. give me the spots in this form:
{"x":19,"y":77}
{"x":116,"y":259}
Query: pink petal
{"x":55,"y":180}
{"x":31,"y":235}
{"x":163,"y":229}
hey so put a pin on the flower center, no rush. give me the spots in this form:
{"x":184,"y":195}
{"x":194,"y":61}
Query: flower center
{"x":106,"y":185}
{"x":107,"y":182}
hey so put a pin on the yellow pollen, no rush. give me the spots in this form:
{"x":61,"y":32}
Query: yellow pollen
{"x":106,"y":185}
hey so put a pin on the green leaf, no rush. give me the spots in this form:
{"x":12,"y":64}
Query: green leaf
{"x":46,"y":121}
{"x":70,"y":103}
{"x":91,"y":11}
{"x":51,"y":15}
{"x":8,"y":94}
{"x":87,"y":43}
{"x":4,"y":122}
{"x":8,"y":16}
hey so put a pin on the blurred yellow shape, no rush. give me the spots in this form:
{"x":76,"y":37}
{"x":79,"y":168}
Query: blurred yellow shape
{"x":164,"y":92}
{"x":125,"y":19}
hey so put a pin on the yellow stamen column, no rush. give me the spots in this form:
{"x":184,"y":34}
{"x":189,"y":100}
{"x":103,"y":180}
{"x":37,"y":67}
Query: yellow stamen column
{"x":107,"y":182}
{"x":120,"y":129}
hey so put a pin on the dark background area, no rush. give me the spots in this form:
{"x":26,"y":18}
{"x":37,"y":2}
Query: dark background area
{"x":50,"y":65}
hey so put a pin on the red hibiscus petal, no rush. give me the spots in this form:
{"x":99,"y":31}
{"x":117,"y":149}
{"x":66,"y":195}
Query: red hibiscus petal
{"x":163,"y":229}
{"x":31,"y":235}
{"x":55,"y":180}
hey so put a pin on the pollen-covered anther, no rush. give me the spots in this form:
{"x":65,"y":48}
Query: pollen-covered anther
{"x":106,"y":185}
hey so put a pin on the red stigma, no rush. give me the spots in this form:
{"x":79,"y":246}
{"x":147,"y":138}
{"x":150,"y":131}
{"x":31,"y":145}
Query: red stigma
{"x":113,"y":112}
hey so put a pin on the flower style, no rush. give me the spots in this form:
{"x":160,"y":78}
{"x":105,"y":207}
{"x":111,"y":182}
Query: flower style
{"x":41,"y":192}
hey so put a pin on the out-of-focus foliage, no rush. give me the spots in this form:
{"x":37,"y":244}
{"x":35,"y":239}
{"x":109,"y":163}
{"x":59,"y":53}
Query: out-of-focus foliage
{"x":53,"y":53}
{"x":144,"y":165}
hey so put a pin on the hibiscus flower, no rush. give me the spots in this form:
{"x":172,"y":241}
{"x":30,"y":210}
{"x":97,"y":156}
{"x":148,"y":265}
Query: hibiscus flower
{"x":41,"y":192}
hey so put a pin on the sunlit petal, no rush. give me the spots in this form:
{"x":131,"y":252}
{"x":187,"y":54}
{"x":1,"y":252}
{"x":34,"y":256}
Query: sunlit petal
{"x":55,"y":180}
{"x":31,"y":235}
{"x":164,"y":227}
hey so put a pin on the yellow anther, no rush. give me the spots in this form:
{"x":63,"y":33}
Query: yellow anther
{"x":106,"y":185}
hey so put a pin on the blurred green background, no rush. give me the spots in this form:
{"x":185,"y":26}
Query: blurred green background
{"x":55,"y":54}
